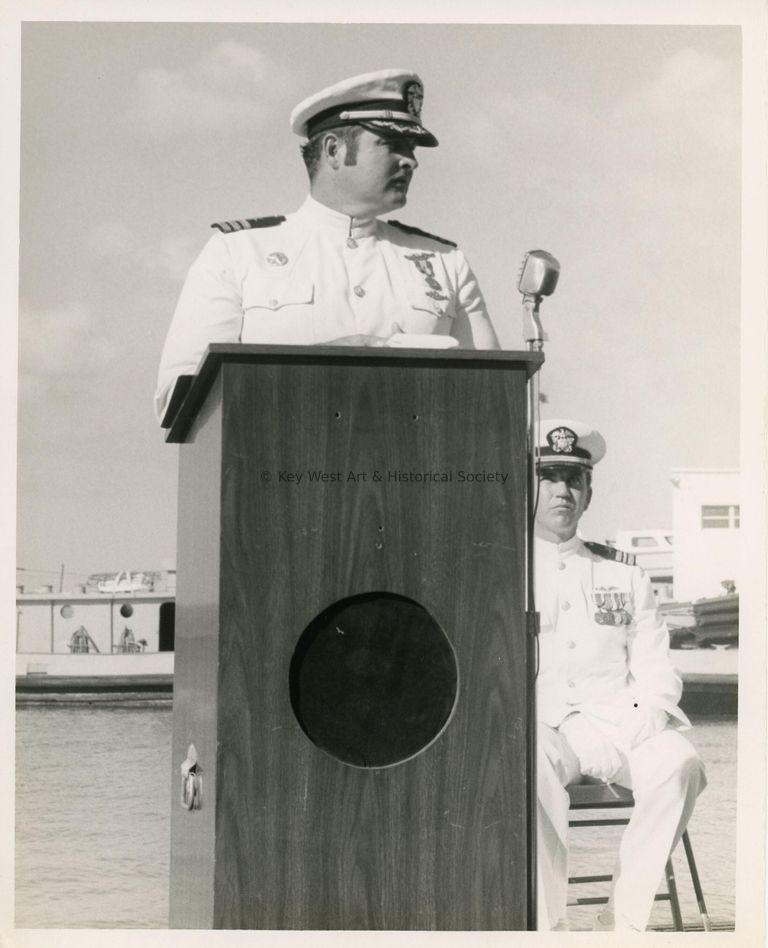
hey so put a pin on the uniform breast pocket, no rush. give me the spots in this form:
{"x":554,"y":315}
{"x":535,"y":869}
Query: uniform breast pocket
{"x":278,"y":311}
{"x":426,"y":315}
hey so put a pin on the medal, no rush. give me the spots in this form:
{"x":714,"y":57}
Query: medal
{"x":599,"y":598}
{"x":611,"y":605}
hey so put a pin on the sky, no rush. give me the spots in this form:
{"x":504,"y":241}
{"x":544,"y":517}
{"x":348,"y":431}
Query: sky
{"x":615,"y":148}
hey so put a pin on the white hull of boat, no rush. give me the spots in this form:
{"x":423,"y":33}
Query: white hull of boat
{"x":34,"y":664}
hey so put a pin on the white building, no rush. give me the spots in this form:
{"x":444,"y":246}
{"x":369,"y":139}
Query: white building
{"x":706,"y":520}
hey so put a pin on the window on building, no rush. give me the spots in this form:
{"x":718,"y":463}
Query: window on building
{"x":725,"y":517}
{"x":644,"y":542}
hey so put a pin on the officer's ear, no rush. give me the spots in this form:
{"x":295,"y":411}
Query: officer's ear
{"x":589,"y":489}
{"x":331,"y":149}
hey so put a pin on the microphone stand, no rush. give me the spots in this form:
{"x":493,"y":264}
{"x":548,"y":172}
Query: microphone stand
{"x":534,"y":339}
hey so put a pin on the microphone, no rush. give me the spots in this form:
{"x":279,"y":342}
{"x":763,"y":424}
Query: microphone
{"x":539,"y":273}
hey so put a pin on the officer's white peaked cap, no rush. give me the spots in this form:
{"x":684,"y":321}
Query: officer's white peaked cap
{"x":388,"y":101}
{"x":565,"y":441}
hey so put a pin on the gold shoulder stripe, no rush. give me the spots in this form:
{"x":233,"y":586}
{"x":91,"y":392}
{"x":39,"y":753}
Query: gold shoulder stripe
{"x":611,"y":553}
{"x":247,"y":223}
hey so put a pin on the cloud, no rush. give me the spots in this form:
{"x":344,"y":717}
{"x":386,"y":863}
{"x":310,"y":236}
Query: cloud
{"x":694,"y":91}
{"x":686,"y":76}
{"x":111,"y":239}
{"x":230,"y":63}
{"x":61,"y":352}
{"x":690,"y":98}
{"x":537,"y":130}
{"x":661,"y":145}
{"x":226,"y":90}
{"x":172,"y":256}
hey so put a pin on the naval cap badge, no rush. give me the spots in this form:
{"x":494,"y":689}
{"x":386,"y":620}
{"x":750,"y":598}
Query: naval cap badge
{"x":562,"y":440}
{"x":413,"y":94}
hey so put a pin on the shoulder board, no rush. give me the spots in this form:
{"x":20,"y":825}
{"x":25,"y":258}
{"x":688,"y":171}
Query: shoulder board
{"x":229,"y":227}
{"x":422,"y":233}
{"x":611,"y":553}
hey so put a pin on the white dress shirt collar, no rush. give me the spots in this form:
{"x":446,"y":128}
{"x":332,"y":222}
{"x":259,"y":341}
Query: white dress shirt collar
{"x":567,"y":548}
{"x":323,"y":216}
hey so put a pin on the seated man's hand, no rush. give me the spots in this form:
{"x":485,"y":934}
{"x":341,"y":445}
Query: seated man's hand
{"x":597,"y":756}
{"x":641,"y":721}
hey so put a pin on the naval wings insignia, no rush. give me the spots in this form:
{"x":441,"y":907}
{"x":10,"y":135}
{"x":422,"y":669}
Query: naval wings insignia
{"x":423,"y":263}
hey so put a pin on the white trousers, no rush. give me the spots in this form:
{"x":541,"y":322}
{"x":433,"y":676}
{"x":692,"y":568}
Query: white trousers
{"x":665,"y":775}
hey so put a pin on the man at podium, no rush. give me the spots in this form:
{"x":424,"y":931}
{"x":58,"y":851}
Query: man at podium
{"x":607,"y":694}
{"x":333,"y":272}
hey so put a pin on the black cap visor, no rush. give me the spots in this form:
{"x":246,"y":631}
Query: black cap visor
{"x":402,"y":130}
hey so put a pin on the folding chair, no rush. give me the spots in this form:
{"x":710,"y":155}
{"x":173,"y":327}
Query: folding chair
{"x":599,"y":796}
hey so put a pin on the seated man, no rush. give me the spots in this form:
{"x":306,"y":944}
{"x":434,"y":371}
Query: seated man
{"x":606,"y":692}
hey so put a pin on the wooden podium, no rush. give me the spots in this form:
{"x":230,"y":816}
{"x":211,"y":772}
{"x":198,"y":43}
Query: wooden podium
{"x":353,"y":660}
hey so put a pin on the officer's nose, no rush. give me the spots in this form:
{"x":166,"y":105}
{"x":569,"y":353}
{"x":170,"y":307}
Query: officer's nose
{"x":408,"y":158}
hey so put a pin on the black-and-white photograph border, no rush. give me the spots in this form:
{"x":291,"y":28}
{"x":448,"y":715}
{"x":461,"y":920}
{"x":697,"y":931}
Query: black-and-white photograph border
{"x":310,"y":635}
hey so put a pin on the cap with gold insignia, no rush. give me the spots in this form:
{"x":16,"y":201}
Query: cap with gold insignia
{"x":388,"y":101}
{"x":564,"y":441}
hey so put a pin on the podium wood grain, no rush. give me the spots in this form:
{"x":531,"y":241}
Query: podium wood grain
{"x":288,"y":836}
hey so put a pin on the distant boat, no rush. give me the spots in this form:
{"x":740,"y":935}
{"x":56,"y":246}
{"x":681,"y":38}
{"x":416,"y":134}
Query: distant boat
{"x":115,"y":628}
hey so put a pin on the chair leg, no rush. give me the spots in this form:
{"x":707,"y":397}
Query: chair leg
{"x":674,"y":901}
{"x":590,"y":801}
{"x":696,"y":882}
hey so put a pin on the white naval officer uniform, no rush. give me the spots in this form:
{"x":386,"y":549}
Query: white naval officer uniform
{"x":316,"y":276}
{"x":614,"y":675}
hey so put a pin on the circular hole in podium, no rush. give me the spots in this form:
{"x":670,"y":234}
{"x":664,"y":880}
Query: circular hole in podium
{"x":373,"y":680}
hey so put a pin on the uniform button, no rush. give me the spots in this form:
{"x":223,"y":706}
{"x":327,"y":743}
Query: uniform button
{"x":571,"y":684}
{"x":351,"y":243}
{"x":273,"y":302}
{"x":571,"y":643}
{"x":359,"y":291}
{"x":566,"y":606}
{"x":561,"y":565}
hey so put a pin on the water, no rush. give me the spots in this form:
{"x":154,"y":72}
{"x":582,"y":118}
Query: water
{"x":93,"y":816}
